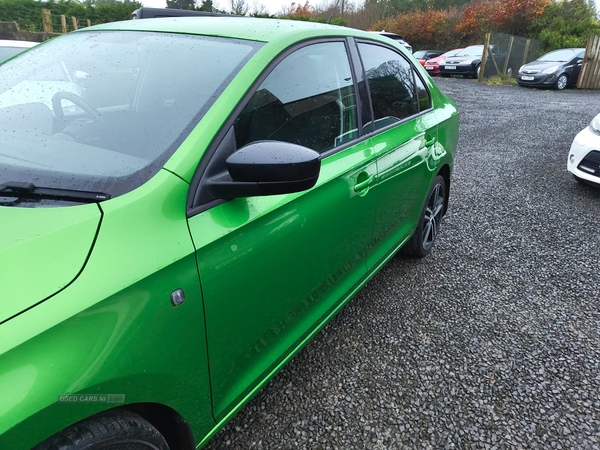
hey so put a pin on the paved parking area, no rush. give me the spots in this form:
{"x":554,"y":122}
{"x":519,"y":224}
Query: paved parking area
{"x":493,"y":341}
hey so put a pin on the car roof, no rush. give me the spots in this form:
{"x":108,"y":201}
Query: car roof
{"x":248,"y":28}
{"x":18,"y":44}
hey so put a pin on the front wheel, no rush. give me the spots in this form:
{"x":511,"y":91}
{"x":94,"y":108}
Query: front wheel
{"x":561,"y":82}
{"x":110,"y":431}
{"x":428,"y":227}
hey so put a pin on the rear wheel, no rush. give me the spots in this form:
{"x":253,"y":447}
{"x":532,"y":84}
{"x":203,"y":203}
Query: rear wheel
{"x":111,"y":431}
{"x":429,"y":223}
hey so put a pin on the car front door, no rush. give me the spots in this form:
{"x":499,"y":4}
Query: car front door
{"x":273,"y":268}
{"x":405,"y":134}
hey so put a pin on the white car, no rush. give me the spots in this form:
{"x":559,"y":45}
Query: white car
{"x":584,"y":157}
{"x":8,"y":49}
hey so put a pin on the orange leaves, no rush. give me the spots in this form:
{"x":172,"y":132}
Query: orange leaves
{"x":509,"y":16}
{"x":301,"y":10}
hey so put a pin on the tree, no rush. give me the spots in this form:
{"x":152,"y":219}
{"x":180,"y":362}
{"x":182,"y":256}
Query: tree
{"x":207,"y":5}
{"x":239,"y":7}
{"x":181,"y":4}
{"x":566,"y":24}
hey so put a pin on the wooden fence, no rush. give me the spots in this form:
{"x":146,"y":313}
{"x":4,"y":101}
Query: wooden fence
{"x":589,"y":77}
{"x":64,"y":27}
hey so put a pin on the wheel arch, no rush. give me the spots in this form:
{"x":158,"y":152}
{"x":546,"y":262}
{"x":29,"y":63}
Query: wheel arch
{"x":176,"y":431}
{"x":444,"y":172}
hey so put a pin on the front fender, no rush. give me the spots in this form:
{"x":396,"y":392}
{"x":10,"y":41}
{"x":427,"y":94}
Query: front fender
{"x":114,"y":329}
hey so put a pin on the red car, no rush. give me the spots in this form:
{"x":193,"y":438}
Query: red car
{"x":424,"y":55}
{"x":432,"y":66}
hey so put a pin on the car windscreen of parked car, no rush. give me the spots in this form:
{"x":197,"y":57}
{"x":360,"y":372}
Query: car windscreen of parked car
{"x":473,"y":50}
{"x":9,"y":52}
{"x":125,"y":100}
{"x":559,"y":55}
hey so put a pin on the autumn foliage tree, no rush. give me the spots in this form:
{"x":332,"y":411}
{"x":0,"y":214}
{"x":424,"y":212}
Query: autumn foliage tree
{"x":547,"y":19}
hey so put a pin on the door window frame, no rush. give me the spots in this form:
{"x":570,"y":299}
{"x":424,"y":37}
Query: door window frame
{"x":194,"y":205}
{"x":415,"y":73}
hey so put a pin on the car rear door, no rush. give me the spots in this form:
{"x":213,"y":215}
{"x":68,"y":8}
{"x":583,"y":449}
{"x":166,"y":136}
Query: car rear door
{"x":272,"y":268}
{"x":404,"y":137}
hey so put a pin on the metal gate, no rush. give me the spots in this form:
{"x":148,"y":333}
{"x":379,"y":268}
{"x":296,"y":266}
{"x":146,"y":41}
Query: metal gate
{"x":589,"y":78}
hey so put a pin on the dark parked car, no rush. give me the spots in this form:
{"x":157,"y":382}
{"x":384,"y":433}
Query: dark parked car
{"x":424,"y":55}
{"x":467,"y":62}
{"x":558,"y":69}
{"x":395,"y":37}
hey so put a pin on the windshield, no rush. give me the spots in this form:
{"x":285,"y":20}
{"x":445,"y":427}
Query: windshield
{"x":451,"y":53}
{"x":473,"y":50}
{"x":558,"y":56}
{"x":103,"y":111}
{"x":9,"y":52}
{"x":420,"y":54}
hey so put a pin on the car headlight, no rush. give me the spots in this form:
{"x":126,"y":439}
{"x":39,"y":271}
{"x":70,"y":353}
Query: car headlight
{"x":441,"y":63}
{"x":595,"y":125}
{"x":550,"y":70}
{"x":468,"y":61}
{"x":521,"y":69}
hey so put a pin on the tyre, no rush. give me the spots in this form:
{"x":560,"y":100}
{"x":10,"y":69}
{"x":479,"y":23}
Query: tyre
{"x":477,"y":70}
{"x":421,"y":243}
{"x":561,"y":82}
{"x":111,"y":431}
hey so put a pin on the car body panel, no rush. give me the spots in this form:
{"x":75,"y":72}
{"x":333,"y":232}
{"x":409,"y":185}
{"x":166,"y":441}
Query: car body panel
{"x":584,"y":156}
{"x":68,"y":236}
{"x":114,"y":331}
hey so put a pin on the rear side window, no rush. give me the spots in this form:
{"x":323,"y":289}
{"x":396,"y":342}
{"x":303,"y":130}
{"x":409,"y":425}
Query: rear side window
{"x":422,"y":94}
{"x":391,"y":83}
{"x":308,"y":99}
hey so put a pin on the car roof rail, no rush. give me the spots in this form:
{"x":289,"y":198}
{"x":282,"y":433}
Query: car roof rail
{"x":151,"y":13}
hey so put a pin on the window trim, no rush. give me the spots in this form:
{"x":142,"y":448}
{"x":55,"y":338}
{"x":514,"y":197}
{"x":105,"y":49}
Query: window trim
{"x":193,"y":206}
{"x":415,"y":73}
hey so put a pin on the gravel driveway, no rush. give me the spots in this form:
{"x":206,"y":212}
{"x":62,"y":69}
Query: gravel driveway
{"x":493,"y":341}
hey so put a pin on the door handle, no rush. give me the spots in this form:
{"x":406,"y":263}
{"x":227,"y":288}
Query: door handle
{"x":364,"y":184}
{"x":430,"y":142}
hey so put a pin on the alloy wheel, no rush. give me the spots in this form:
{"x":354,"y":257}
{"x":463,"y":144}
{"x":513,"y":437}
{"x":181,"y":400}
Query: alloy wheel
{"x":561,"y":83}
{"x":433,"y":216}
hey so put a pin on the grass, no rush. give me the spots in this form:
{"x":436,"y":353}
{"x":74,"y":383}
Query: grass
{"x":499,"y":79}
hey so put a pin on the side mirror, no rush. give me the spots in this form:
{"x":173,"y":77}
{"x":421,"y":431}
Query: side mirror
{"x":267,"y":168}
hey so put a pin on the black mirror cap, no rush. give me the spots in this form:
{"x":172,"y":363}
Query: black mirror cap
{"x":274,"y":161}
{"x":267,"y":168}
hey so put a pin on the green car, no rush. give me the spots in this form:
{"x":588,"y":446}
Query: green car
{"x":184,"y":203}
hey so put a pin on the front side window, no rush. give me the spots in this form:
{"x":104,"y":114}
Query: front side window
{"x":102,"y":111}
{"x":391,"y":83}
{"x":308,"y":99}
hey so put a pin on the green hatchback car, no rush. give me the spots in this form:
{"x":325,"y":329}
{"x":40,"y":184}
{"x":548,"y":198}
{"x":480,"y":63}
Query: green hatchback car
{"x":184,"y":203}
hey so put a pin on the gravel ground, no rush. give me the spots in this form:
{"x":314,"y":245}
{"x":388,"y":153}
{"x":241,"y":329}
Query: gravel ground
{"x":493,"y":340}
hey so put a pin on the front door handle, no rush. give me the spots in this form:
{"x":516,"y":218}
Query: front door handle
{"x":364,"y":185}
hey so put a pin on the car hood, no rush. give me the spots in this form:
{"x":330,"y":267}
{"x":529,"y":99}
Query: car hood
{"x":459,"y":59}
{"x":42,"y":250}
{"x":538,"y":66}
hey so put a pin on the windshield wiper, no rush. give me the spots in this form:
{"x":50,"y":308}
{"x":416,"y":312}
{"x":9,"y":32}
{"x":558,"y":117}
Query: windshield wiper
{"x":22,"y":189}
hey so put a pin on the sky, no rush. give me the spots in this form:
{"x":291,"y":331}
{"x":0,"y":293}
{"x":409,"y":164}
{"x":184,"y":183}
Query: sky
{"x":274,"y":6}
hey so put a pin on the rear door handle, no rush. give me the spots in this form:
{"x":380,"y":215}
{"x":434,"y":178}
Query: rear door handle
{"x":430,"y":142}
